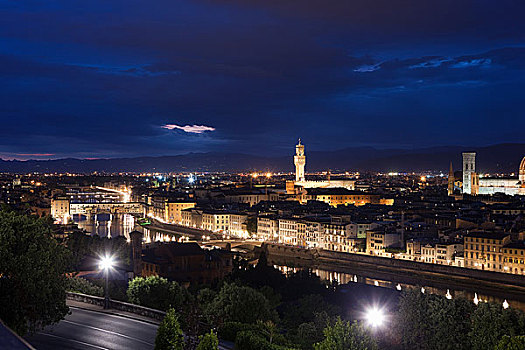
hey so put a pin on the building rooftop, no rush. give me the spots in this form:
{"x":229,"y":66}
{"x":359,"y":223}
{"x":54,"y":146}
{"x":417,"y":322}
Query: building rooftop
{"x":488,"y":235}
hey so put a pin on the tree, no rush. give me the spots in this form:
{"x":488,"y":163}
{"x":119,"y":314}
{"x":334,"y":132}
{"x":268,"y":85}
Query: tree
{"x":208,"y":341}
{"x":155,"y":292}
{"x":251,"y":225}
{"x":32,"y":270}
{"x":511,"y":343}
{"x":239,"y":304}
{"x":169,"y":333}
{"x":346,"y":336}
{"x":412,"y":320}
{"x":82,"y":285}
{"x":490,"y":322}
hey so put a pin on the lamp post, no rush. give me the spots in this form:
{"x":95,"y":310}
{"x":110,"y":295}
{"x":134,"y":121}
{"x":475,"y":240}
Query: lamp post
{"x":106,"y":263}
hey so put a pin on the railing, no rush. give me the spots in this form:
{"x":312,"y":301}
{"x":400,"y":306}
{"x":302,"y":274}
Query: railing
{"x":117,"y":305}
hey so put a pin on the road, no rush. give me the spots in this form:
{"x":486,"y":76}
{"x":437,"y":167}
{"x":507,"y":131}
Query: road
{"x":88,"y":330}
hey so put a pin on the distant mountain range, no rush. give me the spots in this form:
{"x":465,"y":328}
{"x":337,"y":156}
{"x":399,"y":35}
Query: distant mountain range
{"x":503,"y":158}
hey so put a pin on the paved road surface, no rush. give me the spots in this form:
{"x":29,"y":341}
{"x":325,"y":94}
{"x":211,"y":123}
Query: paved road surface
{"x":89,"y":330}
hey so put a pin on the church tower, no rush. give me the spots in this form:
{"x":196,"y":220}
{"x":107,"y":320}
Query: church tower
{"x":451,"y":180}
{"x":469,"y":172}
{"x":299,"y":161}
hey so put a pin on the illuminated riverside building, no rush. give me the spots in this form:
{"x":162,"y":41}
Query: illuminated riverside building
{"x":60,"y":209}
{"x":173,"y":210}
{"x":484,"y":250}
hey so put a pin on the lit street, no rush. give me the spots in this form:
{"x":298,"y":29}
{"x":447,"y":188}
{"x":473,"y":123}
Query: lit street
{"x":94,"y":330}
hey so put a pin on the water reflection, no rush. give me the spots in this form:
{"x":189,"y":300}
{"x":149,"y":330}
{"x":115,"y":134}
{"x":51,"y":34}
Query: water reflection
{"x":106,"y":225}
{"x":347,"y":278}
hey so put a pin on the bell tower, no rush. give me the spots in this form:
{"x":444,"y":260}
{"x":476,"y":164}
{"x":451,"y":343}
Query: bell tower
{"x":300,"y":161}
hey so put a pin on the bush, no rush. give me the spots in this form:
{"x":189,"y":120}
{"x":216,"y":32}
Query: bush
{"x":511,"y":343}
{"x":82,"y":285}
{"x":229,"y":330}
{"x":208,"y":341}
{"x":169,"y":334}
{"x":239,"y":304}
{"x":345,"y":335}
{"x":250,"y":340}
{"x":156,"y":293}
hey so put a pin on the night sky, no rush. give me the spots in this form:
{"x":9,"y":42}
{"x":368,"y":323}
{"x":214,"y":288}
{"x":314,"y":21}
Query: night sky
{"x":111,"y":78}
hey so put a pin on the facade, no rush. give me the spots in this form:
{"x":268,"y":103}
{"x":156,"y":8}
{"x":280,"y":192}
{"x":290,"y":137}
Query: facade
{"x":287,"y":231}
{"x":469,"y":171}
{"x":514,"y":258}
{"x":60,"y":209}
{"x":238,"y":226}
{"x":379,"y":239}
{"x":173,"y":210}
{"x":251,"y":198}
{"x":341,"y":196}
{"x":267,"y":228}
{"x":474,"y":184}
{"x":216,"y":221}
{"x":484,"y":250}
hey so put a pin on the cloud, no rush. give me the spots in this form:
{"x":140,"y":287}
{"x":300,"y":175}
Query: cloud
{"x":194,"y":129}
{"x":368,"y":68}
{"x":473,"y":63}
{"x":36,"y":154}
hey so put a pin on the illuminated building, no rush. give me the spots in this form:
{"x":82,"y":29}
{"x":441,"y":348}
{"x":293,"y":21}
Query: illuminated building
{"x":300,"y":178}
{"x":469,"y":172}
{"x":341,"y":196}
{"x":451,"y":180}
{"x":216,"y":221}
{"x":474,"y":183}
{"x":60,"y":209}
{"x":173,"y":210}
{"x":299,"y":162}
{"x":483,"y":250}
{"x":238,"y":226}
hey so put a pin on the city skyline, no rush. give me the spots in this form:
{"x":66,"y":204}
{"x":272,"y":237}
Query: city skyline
{"x":129,"y":79}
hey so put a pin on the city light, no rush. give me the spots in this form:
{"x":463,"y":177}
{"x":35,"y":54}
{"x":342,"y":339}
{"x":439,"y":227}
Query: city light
{"x":448,"y":295}
{"x":375,"y":317}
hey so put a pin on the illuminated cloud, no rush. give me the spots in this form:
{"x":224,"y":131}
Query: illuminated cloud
{"x":194,"y":129}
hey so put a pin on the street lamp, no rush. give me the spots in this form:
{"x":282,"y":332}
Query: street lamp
{"x":106,"y":263}
{"x":375,"y":317}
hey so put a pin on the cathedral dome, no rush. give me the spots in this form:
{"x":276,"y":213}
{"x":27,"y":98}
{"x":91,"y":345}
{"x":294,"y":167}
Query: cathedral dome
{"x":522,"y":171}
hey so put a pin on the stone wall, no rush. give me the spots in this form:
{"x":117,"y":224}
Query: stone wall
{"x":320,"y":257}
{"x":117,"y":305}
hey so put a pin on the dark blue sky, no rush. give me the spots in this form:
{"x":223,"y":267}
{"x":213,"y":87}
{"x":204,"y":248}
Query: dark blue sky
{"x":115,"y":78}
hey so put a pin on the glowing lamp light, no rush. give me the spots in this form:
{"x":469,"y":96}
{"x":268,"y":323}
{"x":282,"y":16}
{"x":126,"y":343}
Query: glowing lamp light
{"x":375,"y":317}
{"x":476,"y":300}
{"x":505,"y":304}
{"x":106,"y":263}
{"x":398,"y":287}
{"x":423,"y":290}
{"x":448,"y":295}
